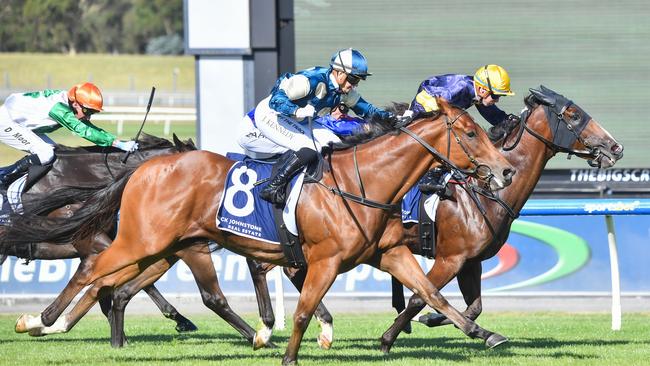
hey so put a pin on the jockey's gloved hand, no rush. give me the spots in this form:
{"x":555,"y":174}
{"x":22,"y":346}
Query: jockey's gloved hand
{"x":306,"y":111}
{"x":512,"y":119}
{"x":129,"y":146}
{"x":384,"y":115}
{"x":405,"y":117}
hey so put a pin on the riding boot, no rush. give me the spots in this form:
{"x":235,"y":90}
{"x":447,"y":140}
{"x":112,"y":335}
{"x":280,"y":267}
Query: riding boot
{"x":20,"y":168}
{"x":433,"y":181}
{"x":275,"y":191}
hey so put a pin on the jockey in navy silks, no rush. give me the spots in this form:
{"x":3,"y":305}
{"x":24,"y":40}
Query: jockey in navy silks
{"x":282,"y":117}
{"x":483,"y":90}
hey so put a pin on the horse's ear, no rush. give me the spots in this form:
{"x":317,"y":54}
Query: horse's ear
{"x":177,"y":141}
{"x":191,"y":144}
{"x":542,"y":97}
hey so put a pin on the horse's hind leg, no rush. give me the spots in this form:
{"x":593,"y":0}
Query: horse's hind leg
{"x":125,"y":293}
{"x":199,"y":261}
{"x":469,"y":283}
{"x":26,"y":323}
{"x":99,"y":288}
{"x":325,"y":319}
{"x":258,"y":275}
{"x":399,"y":262}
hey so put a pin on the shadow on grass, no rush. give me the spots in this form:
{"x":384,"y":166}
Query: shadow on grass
{"x":231,"y":347}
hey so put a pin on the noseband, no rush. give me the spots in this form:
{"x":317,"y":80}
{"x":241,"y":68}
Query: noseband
{"x":565,"y":134}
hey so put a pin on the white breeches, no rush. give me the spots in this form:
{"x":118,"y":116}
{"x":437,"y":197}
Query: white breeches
{"x":24,"y":139}
{"x":289,"y":133}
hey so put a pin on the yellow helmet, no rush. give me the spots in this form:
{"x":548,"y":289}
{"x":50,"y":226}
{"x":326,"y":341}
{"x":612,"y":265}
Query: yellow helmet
{"x":493,"y":78}
{"x":87,"y":95}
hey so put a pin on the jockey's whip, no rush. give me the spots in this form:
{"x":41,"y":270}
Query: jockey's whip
{"x":137,"y":135}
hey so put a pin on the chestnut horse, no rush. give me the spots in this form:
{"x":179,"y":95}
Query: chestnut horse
{"x":550,"y":124}
{"x":169,"y":202}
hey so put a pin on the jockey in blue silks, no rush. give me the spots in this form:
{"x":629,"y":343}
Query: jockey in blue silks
{"x":282,"y":117}
{"x":483,"y":90}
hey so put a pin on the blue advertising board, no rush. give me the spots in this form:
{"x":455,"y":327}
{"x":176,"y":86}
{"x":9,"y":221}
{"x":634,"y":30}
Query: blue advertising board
{"x":552,"y":253}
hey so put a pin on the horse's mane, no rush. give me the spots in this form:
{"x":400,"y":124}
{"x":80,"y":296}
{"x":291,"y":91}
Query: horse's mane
{"x":376,"y":127}
{"x":145,"y":141}
{"x":501,"y":130}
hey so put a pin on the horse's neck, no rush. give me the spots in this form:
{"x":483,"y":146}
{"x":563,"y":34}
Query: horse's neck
{"x":390,"y":165}
{"x":529,"y":158}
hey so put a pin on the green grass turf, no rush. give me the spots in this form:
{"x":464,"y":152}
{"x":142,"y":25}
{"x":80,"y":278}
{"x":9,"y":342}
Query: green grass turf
{"x":535,"y":339}
{"x":183,"y":130}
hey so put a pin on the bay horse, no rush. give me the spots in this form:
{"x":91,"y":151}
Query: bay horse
{"x":169,"y":202}
{"x":84,"y":167}
{"x":550,"y":124}
{"x":95,"y":165}
{"x":465,"y":236}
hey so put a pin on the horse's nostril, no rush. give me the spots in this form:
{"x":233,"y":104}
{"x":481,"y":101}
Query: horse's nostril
{"x":617,"y":149}
{"x":508,"y":173}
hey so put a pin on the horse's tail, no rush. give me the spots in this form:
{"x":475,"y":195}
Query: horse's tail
{"x":97,"y":214}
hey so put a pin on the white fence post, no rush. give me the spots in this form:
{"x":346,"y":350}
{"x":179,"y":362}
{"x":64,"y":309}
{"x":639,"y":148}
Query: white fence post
{"x":279,"y":298}
{"x":616,"y":277}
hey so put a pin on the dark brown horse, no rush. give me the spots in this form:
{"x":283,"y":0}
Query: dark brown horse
{"x":466,"y":237}
{"x":170,"y":202}
{"x":86,"y":167}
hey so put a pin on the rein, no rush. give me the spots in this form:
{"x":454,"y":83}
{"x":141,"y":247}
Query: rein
{"x":444,"y":160}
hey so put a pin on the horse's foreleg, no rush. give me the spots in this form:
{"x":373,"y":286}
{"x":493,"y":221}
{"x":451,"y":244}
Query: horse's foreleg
{"x":320,"y":276}
{"x":258,"y":275}
{"x":399,"y":262}
{"x":469,"y":283}
{"x":202,"y":267}
{"x":325,"y":319}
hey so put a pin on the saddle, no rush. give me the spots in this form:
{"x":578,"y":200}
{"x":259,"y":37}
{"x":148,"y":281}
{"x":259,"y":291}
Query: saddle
{"x":283,"y":218}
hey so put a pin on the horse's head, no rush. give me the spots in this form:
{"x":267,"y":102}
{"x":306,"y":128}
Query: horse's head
{"x":472,"y":149}
{"x":574,"y":131}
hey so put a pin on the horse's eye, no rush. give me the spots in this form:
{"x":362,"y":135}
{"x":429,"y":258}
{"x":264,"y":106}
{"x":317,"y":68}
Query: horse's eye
{"x":471,"y":134}
{"x":576,"y":117}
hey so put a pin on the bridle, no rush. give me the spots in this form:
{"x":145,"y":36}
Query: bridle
{"x":482,"y":171}
{"x":564,"y":134}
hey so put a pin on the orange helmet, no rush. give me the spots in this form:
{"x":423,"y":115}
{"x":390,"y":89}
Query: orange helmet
{"x":87,"y":95}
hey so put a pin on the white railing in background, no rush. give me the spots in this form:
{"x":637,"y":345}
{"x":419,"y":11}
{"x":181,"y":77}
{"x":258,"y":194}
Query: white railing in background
{"x":167,"y":115}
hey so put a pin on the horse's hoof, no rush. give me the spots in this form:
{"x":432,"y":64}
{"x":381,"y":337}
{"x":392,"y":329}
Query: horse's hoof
{"x":289,"y":363}
{"x":432,"y":319}
{"x":186,"y":327}
{"x":495,"y":340}
{"x":385,"y":346}
{"x":21,"y":324}
{"x":262,"y":337}
{"x":326,"y":336}
{"x":36,"y":332}
{"x":323,"y":342}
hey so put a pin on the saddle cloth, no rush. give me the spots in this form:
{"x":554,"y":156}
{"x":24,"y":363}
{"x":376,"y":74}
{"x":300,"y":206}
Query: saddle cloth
{"x":243,"y":212}
{"x":411,"y":204}
{"x":11,"y":199}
